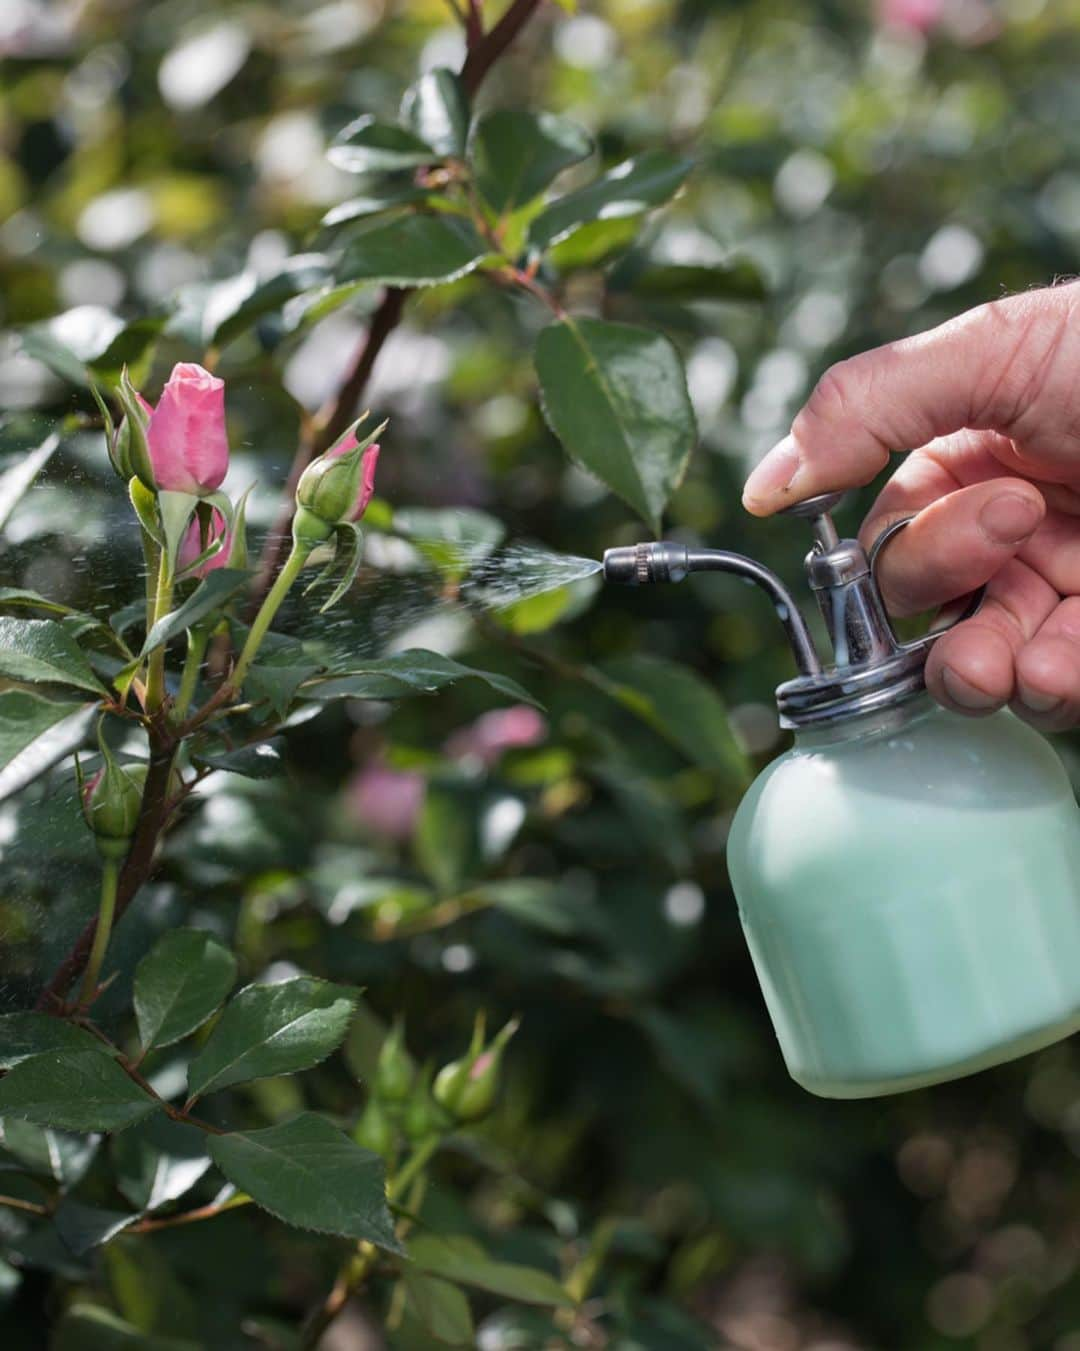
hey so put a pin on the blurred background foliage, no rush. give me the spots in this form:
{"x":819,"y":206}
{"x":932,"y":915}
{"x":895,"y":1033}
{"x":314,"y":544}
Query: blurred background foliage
{"x":880,"y":171}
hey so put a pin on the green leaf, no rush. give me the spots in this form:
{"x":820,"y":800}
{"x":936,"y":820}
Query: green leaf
{"x":24,"y":718}
{"x":616,"y":397}
{"x":457,"y":1258}
{"x":133,"y":347}
{"x":82,"y":1227}
{"x":307,"y":1173}
{"x":417,"y":250}
{"x":19,"y":598}
{"x":14,"y":482}
{"x":276,"y":685}
{"x":680,"y":705}
{"x":436,"y":108}
{"x":74,"y":1091}
{"x":549,"y":906}
{"x":88,"y":1327}
{"x":346,"y":559}
{"x":516,"y":154}
{"x":738,"y":280}
{"x":446,"y":838}
{"x":232,"y":306}
{"x":89,"y":340}
{"x":440,"y":1307}
{"x":145,"y":504}
{"x":179,"y":984}
{"x":158,"y":1160}
{"x":273,"y":1029}
{"x":152,"y":1291}
{"x":264,"y":760}
{"x":372,"y":205}
{"x":369,"y":146}
{"x":629,"y":189}
{"x":408,"y":673}
{"x":53,"y":1154}
{"x":594,"y":245}
{"x":39,"y":651}
{"x":23,"y":1035}
{"x":534,"y":614}
{"x":210,"y":595}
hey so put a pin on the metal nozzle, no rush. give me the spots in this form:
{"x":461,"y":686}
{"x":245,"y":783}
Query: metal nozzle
{"x":638,"y":564}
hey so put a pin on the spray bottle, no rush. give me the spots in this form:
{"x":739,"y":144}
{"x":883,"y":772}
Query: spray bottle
{"x":908,"y":880}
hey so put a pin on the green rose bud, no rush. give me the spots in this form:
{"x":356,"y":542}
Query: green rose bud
{"x":129,"y":451}
{"x":111,"y":801}
{"x":466,"y":1088}
{"x":336,"y":488}
{"x":375,"y":1130}
{"x":394,"y":1071}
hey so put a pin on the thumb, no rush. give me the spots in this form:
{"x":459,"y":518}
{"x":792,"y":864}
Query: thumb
{"x":984,"y":369}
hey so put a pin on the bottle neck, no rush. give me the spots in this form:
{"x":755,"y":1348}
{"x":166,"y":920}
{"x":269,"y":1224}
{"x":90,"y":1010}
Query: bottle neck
{"x":880,"y":722}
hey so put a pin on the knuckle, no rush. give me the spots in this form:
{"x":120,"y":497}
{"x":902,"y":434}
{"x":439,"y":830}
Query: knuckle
{"x":835,"y":395}
{"x":1022,"y":338}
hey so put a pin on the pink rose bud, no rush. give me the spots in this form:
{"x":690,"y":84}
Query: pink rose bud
{"x":493,"y":733}
{"x":387,"y":801}
{"x":369,"y":460}
{"x":186,"y":435}
{"x":336,"y":488}
{"x":193,"y":545}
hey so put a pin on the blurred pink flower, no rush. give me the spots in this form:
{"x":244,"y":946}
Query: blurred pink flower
{"x":497,"y":731}
{"x":917,"y":16}
{"x":186,"y":435}
{"x":387,"y":801}
{"x":192,"y":546}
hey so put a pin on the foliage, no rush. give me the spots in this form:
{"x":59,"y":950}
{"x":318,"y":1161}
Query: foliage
{"x":404,"y":785}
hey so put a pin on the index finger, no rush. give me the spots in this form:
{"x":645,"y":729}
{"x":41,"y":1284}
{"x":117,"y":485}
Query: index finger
{"x":979,"y":370}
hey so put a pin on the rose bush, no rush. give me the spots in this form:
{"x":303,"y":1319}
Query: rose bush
{"x":536,"y":244}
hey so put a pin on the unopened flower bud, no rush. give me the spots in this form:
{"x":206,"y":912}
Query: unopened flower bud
{"x":200,"y":537}
{"x":111,"y":802}
{"x":336,"y":488}
{"x":375,"y":1130}
{"x":467,"y":1087}
{"x":128,"y":449}
{"x":395,"y":1071}
{"x":186,"y":435}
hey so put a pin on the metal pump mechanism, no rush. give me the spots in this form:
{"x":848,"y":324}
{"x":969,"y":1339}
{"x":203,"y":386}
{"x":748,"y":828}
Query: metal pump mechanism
{"x":871,"y":667}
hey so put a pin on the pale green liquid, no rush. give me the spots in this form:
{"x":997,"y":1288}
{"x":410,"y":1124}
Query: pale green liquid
{"x":911,"y":898}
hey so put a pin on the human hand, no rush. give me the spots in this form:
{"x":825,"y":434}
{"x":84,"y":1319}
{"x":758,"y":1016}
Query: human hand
{"x":991,"y":403}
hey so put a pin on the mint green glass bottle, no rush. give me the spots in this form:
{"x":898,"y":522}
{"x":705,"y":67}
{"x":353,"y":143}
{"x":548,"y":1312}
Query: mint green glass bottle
{"x":908,"y":880}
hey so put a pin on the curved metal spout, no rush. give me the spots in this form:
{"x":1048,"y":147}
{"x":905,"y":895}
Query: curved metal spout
{"x":640,"y":564}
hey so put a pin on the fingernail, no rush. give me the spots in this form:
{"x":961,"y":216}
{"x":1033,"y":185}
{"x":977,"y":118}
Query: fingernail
{"x":1010,"y":518}
{"x":773,"y":475}
{"x":965,"y":695}
{"x":1038,"y":703}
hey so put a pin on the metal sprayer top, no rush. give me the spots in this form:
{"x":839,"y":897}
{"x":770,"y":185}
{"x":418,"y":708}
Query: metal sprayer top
{"x":872,"y":669}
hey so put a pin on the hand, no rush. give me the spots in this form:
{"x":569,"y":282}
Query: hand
{"x":991,"y":400}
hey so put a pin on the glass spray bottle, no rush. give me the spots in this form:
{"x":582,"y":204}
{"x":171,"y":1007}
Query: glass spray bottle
{"x":908,"y":880}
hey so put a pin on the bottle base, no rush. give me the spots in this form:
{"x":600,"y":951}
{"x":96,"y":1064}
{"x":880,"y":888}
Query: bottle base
{"x":959,"y":1069}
